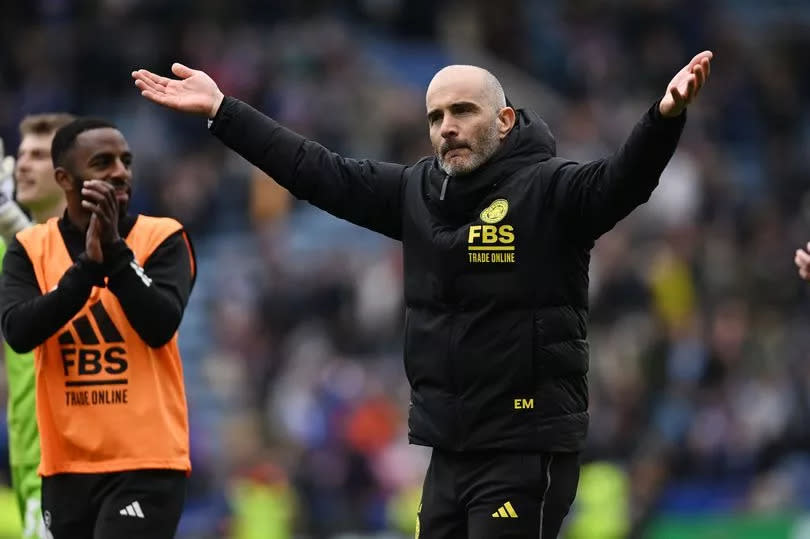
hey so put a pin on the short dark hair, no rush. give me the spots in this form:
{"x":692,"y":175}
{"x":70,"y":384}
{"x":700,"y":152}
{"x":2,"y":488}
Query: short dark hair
{"x":44,"y":124}
{"x":65,"y":137}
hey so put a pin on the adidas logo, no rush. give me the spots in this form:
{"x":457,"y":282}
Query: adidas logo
{"x":505,"y":511}
{"x":132,"y":510}
{"x":85,"y":331}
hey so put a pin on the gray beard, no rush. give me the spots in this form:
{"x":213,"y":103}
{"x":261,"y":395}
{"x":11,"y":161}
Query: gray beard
{"x":488,"y":144}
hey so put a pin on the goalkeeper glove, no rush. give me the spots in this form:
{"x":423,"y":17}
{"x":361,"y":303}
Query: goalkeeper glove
{"x":12,"y":218}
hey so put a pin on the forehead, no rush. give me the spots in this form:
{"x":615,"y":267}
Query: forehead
{"x":448,"y":88}
{"x":100,"y":140}
{"x":36,"y":141}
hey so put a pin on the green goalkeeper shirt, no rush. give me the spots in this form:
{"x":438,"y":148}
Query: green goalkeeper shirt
{"x":23,"y":435}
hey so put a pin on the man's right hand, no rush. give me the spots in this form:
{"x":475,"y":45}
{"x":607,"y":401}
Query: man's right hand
{"x":193,"y":92}
{"x":802,"y":260}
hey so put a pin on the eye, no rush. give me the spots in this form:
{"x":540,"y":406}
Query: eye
{"x":101,"y":162}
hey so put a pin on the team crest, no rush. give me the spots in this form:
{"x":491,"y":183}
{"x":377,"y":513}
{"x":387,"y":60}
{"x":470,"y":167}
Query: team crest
{"x":495,"y":211}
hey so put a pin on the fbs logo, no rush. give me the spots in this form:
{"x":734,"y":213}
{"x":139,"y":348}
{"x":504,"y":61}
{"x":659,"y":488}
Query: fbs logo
{"x":91,"y":357}
{"x":505,"y":511}
{"x":495,"y":212}
{"x":491,"y":244}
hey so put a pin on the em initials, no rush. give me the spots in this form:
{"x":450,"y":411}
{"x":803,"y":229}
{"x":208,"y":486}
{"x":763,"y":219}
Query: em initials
{"x":524,"y":404}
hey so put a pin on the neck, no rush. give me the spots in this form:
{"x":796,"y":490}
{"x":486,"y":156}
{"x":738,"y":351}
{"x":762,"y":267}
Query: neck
{"x":78,"y":217}
{"x":40,"y":215}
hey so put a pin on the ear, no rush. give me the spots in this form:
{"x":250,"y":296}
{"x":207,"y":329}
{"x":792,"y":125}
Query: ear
{"x":506,"y":121}
{"x":63,"y":178}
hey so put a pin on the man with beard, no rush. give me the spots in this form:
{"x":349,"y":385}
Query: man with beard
{"x":497,"y":234}
{"x":98,"y":295}
{"x":36,"y":190}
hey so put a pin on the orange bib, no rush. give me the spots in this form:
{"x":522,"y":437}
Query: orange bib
{"x":106,"y":401}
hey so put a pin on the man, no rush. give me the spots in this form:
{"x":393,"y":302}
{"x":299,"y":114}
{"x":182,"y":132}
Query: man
{"x":496,"y":235}
{"x":98,"y":295}
{"x":38,"y":192}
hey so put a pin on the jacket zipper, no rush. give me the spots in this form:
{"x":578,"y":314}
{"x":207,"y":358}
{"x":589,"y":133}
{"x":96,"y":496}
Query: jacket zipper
{"x":444,"y":186}
{"x":452,"y":371}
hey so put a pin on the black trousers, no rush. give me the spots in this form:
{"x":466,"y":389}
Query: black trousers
{"x":122,"y":505}
{"x":497,"y":495}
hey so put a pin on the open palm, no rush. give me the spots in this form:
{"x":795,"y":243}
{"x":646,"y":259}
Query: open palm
{"x":193,"y":92}
{"x":685,"y":85}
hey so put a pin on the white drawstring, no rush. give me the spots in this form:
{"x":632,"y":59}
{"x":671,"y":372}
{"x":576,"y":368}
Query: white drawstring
{"x":444,"y":186}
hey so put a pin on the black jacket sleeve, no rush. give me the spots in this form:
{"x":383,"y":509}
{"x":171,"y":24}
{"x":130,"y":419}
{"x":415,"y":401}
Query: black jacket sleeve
{"x":367,"y":193}
{"x":595,"y":196}
{"x":155,"y":296}
{"x":29,"y":317}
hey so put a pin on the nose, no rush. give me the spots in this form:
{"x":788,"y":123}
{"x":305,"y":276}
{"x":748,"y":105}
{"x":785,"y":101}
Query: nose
{"x":449,"y":127}
{"x":120,"y":170}
{"x":22,"y":163}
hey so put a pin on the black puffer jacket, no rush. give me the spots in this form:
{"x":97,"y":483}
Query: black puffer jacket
{"x":496,"y":269}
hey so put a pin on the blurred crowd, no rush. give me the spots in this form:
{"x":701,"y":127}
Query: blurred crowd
{"x":700,"y":365}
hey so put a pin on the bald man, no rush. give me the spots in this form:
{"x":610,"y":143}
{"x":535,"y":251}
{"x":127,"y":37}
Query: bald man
{"x":497,"y":234}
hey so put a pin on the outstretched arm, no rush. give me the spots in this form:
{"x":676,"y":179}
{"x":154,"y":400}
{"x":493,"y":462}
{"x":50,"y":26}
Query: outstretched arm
{"x":364,"y":192}
{"x":595,"y":196}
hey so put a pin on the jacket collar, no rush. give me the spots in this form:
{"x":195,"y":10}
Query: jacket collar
{"x":529,"y":142}
{"x":66,"y":226}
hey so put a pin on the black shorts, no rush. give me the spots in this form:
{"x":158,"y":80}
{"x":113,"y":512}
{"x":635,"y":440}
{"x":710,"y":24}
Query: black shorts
{"x":497,"y":495}
{"x":121,"y":505}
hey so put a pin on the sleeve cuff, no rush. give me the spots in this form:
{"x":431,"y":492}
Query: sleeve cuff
{"x":91,"y":273}
{"x":213,"y":123}
{"x":117,"y":256}
{"x":656,"y":116}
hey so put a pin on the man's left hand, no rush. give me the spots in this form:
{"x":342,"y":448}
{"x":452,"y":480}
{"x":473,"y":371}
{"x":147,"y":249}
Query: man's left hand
{"x":99,"y":198}
{"x":686,"y":85}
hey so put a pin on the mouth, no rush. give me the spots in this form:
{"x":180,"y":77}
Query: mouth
{"x":24,"y":185}
{"x":455,"y":152}
{"x":123,"y":200}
